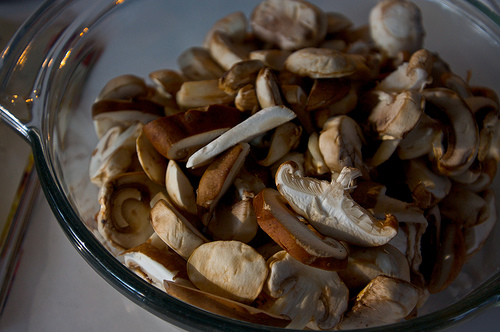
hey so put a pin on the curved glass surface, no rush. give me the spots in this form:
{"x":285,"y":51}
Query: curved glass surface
{"x":69,"y":49}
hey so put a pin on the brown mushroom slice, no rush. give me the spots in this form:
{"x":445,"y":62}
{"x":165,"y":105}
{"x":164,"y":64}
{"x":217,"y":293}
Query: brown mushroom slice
{"x":239,"y":75}
{"x":123,"y":87}
{"x":234,"y":25}
{"x":326,"y":91}
{"x":286,"y":137}
{"x":477,"y":234}
{"x":296,"y":97}
{"x":175,"y":230}
{"x":314,"y":162}
{"x":108,"y":113}
{"x":283,"y":226}
{"x":330,"y":209}
{"x":341,"y":107}
{"x":396,"y":26}
{"x":167,"y":81}
{"x":337,"y":22}
{"x":290,"y":24}
{"x":392,"y":119}
{"x":460,"y":140}
{"x":383,"y":301}
{"x":155,"y":263}
{"x":320,"y":63}
{"x":341,"y":142}
{"x":225,"y":50}
{"x":268,"y":89}
{"x":257,"y":124}
{"x":112,"y":155}
{"x":272,"y":58}
{"x":231,"y":269}
{"x":309,"y":296}
{"x":123,"y":217}
{"x":223,"y":306}
{"x":179,"y":188}
{"x":246,"y":99}
{"x":365,"y":264}
{"x":193,"y":94}
{"x":178,"y":136}
{"x":420,"y":140}
{"x":217,"y":178}
{"x":152,"y":162}
{"x":197,"y":64}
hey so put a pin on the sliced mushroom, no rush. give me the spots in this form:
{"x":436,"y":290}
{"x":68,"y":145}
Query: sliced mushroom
{"x":246,"y":99}
{"x":231,"y":269}
{"x":239,"y":75}
{"x":315,"y":164}
{"x":123,"y":217}
{"x":179,"y":188}
{"x":272,"y":58}
{"x":267,"y":89}
{"x":396,"y":25}
{"x":477,"y":234}
{"x":384,"y":300}
{"x":327,"y":91}
{"x":123,"y":87}
{"x":178,"y":136}
{"x":320,"y":63}
{"x":225,"y":50}
{"x":234,"y":25}
{"x":152,"y":162}
{"x":305,"y":294}
{"x":296,"y":98}
{"x":197,"y":64}
{"x":331,"y":210}
{"x":193,"y":94}
{"x":257,"y":124}
{"x":175,"y":230}
{"x":167,"y":81}
{"x":341,"y":107}
{"x":223,"y":306}
{"x":290,"y":25}
{"x":420,"y":140}
{"x":286,"y":137}
{"x":337,"y":22}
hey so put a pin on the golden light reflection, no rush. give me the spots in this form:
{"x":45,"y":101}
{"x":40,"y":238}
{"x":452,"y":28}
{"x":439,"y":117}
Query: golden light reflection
{"x":22,"y":59}
{"x":84,"y":32}
{"x":63,"y":62}
{"x":119,"y":1}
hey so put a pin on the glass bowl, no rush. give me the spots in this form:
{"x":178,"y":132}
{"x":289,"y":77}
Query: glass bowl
{"x":56,"y":64}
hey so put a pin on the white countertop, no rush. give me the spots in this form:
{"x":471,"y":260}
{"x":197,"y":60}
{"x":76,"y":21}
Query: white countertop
{"x":56,"y":290}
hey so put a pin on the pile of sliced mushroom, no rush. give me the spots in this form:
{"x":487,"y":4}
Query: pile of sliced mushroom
{"x":296,"y":161}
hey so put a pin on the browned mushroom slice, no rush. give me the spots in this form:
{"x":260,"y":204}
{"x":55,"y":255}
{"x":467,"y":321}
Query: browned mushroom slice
{"x":123,"y":87}
{"x":420,"y":140}
{"x":327,"y":91}
{"x":296,"y":97}
{"x":311,"y":297}
{"x":460,"y":140}
{"x":337,"y":22}
{"x":234,"y":25}
{"x":217,"y":178}
{"x":283,"y":226}
{"x":272,"y":58}
{"x":239,"y":75}
{"x":331,"y":210}
{"x":384,"y":300}
{"x":178,"y":136}
{"x":194,"y":94}
{"x":197,"y":64}
{"x":225,"y":50}
{"x":396,"y":26}
{"x":341,"y":107}
{"x":268,"y":89}
{"x":123,"y":217}
{"x":231,"y":269}
{"x":224,"y":307}
{"x":152,"y":162}
{"x":314,"y":163}
{"x":320,"y":63}
{"x":286,"y":137}
{"x":246,"y":99}
{"x":477,"y":234}
{"x":290,"y":25}
{"x":179,"y":188}
{"x":167,"y":81}
{"x":174,"y":229}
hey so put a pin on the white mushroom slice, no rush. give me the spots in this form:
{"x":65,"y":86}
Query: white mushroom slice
{"x":320,"y":63}
{"x":396,"y":25}
{"x":113,"y":154}
{"x":178,"y":136}
{"x":331,"y":210}
{"x":302,"y":243}
{"x":477,"y":234}
{"x":257,"y":124}
{"x":197,"y":64}
{"x":365,"y":264}
{"x":314,"y":162}
{"x":340,"y":143}
{"x":246,"y":99}
{"x":454,"y":82}
{"x":193,"y":94}
{"x":289,"y":24}
{"x":179,"y":189}
{"x":460,"y":140}
{"x":152,"y":162}
{"x":175,"y":230}
{"x":272,"y":58}
{"x":156,"y":264}
{"x":384,"y":300}
{"x":412,"y":75}
{"x":420,"y":140}
{"x":305,"y":294}
{"x":123,"y":217}
{"x":234,"y":25}
{"x":224,"y":307}
{"x":217,"y":179}
{"x":427,"y":188}
{"x":226,"y":51}
{"x":123,"y":87}
{"x":286,"y":137}
{"x":231,"y":269}
{"x":267,"y":89}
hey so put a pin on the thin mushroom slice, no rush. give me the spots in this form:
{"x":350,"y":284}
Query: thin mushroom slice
{"x":123,"y":87}
{"x":222,"y":306}
{"x":167,"y":81}
{"x":272,"y":58}
{"x":179,"y":188}
{"x":289,"y":24}
{"x":327,"y":91}
{"x":234,"y":25}
{"x":286,"y":137}
{"x":152,"y":162}
{"x":231,"y":269}
{"x":194,"y":94}
{"x":315,"y":164}
{"x":283,"y":226}
{"x":420,"y":140}
{"x":309,"y":296}
{"x":225,"y":50}
{"x":239,"y":75}
{"x":257,"y":124}
{"x":330,"y":209}
{"x":197,"y":64}
{"x":477,"y":234}
{"x":384,"y":300}
{"x":175,"y":230}
{"x":296,"y":97}
{"x":123,"y":217}
{"x":268,"y":89}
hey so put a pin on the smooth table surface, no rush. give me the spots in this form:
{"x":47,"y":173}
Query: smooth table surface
{"x":56,"y":290}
